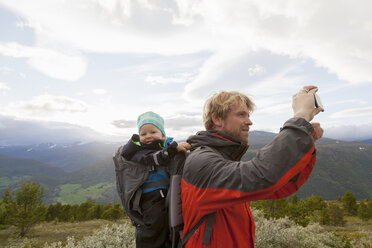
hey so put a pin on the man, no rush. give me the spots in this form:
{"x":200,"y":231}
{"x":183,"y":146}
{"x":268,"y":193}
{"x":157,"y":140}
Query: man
{"x":216,"y":181}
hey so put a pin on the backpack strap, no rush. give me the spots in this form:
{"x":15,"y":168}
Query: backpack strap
{"x":136,"y":201}
{"x":208,"y":230}
{"x":155,"y":184}
{"x":138,"y":194}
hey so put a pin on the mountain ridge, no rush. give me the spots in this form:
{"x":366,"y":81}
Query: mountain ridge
{"x":341,"y":166}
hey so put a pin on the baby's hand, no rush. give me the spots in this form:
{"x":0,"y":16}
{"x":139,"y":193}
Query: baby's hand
{"x":183,"y":146}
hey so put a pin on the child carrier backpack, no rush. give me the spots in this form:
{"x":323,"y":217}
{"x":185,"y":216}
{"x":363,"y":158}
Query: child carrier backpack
{"x":130,"y":180}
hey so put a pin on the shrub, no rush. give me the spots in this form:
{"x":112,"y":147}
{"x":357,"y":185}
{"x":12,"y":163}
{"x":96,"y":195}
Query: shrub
{"x":278,"y":233}
{"x":21,"y":243}
{"x":350,"y":203}
{"x":25,"y":207}
{"x":363,"y":212}
{"x":115,"y":236}
{"x":336,"y":215}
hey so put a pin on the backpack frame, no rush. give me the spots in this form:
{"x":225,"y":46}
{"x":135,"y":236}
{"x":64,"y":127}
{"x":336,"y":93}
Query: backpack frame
{"x":174,"y":203}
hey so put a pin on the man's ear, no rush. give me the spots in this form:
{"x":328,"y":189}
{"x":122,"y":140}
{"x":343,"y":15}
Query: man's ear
{"x":217,"y":121}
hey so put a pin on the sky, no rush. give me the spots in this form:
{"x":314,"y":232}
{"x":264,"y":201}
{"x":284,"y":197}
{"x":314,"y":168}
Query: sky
{"x":90,"y":67}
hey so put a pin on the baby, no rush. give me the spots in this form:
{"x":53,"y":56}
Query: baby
{"x":154,"y":149}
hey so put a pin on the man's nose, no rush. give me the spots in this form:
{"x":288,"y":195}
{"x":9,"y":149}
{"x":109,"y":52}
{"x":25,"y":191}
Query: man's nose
{"x":248,"y":121}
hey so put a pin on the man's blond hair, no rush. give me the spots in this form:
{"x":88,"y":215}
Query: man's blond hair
{"x":220,"y":105}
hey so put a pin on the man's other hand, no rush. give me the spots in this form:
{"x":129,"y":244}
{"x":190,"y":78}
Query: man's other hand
{"x":318,"y":131}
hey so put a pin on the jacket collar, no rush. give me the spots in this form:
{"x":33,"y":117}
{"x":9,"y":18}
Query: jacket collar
{"x":227,"y":145}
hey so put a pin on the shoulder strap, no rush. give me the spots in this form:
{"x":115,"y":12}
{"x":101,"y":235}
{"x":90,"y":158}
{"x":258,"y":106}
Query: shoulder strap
{"x":138,"y":194}
{"x":208,"y":230}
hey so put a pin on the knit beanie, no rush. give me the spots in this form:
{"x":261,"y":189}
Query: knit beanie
{"x":151,"y":118}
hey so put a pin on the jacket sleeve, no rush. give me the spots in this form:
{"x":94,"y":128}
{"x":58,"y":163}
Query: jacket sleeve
{"x":278,"y":170}
{"x":295,"y":183}
{"x":157,"y":157}
{"x":131,"y":147}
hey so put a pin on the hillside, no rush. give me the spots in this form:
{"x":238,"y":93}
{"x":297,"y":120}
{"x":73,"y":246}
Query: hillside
{"x":15,"y":170}
{"x":18,"y":167}
{"x":99,"y":178}
{"x":340,"y":166}
{"x":69,"y":157}
{"x":368,"y":141}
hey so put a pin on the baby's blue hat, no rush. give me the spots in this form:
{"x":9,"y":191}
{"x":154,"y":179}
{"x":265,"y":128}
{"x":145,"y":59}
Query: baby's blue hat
{"x":151,"y":118}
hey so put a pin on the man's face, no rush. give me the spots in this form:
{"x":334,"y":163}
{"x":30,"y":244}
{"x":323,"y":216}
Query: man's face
{"x":237,"y":122}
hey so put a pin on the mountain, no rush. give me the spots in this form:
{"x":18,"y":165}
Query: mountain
{"x":99,"y":178}
{"x":70,"y":157}
{"x":13,"y":171}
{"x":15,"y":131}
{"x":340,"y":166}
{"x":18,"y":167}
{"x":368,"y":141}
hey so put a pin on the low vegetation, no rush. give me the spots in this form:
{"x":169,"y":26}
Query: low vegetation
{"x":25,"y":208}
{"x":26,"y":222}
{"x":75,"y":193}
{"x":278,"y":233}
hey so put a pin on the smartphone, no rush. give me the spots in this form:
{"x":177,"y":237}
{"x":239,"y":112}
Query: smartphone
{"x":318,"y":102}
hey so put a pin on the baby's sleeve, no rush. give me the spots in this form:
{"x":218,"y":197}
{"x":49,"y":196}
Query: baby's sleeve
{"x":131,"y":147}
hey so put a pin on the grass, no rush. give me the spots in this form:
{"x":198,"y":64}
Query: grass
{"x":75,"y":194}
{"x":356,"y":230}
{"x":50,"y":232}
{"x":95,"y":191}
{"x":5,"y":181}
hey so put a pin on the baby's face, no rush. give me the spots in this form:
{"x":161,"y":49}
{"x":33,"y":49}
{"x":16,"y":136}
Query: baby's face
{"x":148,"y":133}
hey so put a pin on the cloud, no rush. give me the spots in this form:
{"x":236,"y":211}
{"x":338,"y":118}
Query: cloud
{"x":349,"y":132}
{"x":124,"y":123}
{"x":333,"y":34}
{"x":353,"y":112}
{"x":25,"y":132}
{"x":120,"y":26}
{"x":180,"y":122}
{"x":5,"y":70}
{"x":56,"y":64}
{"x":349,"y":101}
{"x":179,"y":79}
{"x":256,"y":70}
{"x":3,"y":88}
{"x":259,"y":72}
{"x":99,"y":91}
{"x":48,"y":105}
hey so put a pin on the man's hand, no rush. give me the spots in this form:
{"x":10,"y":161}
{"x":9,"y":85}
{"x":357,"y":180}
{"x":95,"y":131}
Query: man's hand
{"x":318,"y":131}
{"x":303,"y":103}
{"x":183,"y":146}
